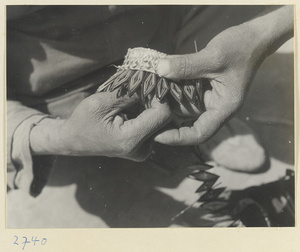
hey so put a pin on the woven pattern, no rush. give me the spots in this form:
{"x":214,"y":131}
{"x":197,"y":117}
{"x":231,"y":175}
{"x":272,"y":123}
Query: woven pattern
{"x":138,"y":74}
{"x":144,"y":59}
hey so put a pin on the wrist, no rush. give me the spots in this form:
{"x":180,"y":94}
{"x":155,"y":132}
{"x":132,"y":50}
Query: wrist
{"x":271,"y":29}
{"x":46,"y":138}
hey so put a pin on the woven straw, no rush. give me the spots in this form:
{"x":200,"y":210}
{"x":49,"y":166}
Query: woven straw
{"x":144,"y":59}
{"x":138,"y":74}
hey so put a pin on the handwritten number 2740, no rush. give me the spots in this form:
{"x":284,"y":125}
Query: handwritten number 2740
{"x":34,"y":240}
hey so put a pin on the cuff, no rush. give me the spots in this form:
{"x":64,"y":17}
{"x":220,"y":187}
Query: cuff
{"x":20,"y":174}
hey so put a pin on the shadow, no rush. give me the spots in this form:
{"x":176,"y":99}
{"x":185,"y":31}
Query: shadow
{"x":94,"y":32}
{"x":121,"y":192}
{"x":202,"y":23}
{"x":19,"y":65}
{"x":269,"y":106}
{"x":124,"y":193}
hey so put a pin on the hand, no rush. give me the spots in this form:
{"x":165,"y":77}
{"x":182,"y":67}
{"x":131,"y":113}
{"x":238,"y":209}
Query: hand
{"x":229,"y":62}
{"x":97,"y":127}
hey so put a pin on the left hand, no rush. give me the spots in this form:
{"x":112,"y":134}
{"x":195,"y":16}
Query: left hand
{"x":229,"y":62}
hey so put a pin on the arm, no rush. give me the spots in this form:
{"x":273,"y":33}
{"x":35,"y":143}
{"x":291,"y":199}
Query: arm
{"x":229,"y":62}
{"x":96,"y":128}
{"x":19,"y":163}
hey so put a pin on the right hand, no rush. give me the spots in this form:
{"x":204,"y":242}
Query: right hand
{"x":97,"y":128}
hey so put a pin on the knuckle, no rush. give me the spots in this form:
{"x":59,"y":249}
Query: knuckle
{"x":201,"y":136}
{"x":92,"y":102}
{"x":93,"y":106}
{"x":183,"y":66}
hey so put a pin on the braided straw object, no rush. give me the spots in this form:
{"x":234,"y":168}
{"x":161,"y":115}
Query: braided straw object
{"x":138,"y":73}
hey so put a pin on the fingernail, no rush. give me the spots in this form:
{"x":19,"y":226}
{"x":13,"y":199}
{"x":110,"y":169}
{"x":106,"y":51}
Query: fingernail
{"x":160,"y":138}
{"x":157,"y":138}
{"x":163,"y":67}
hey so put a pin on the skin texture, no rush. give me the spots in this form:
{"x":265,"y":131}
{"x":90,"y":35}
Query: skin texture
{"x":229,"y":62}
{"x":97,"y":127}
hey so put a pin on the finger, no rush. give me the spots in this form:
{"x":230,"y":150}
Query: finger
{"x":142,"y":151}
{"x":113,"y":103}
{"x":206,"y":125}
{"x":148,"y":122}
{"x":188,"y":66}
{"x":186,"y":108}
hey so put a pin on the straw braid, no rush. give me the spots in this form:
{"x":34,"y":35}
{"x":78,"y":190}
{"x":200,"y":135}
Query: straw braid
{"x":138,"y":72}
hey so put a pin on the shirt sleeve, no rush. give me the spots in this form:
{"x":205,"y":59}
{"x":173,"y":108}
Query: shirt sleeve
{"x":20,"y":120}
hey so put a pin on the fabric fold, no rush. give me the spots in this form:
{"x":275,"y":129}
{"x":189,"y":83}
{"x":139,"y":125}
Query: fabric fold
{"x":20,"y":165}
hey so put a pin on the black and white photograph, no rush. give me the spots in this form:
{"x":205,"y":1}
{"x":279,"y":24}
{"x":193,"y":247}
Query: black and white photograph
{"x":149,"y":116}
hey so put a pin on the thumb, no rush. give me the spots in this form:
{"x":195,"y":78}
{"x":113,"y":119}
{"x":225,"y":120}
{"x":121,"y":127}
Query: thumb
{"x":149,"y":121}
{"x":187,"y":66}
{"x":206,"y":125}
{"x":114,"y":102}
